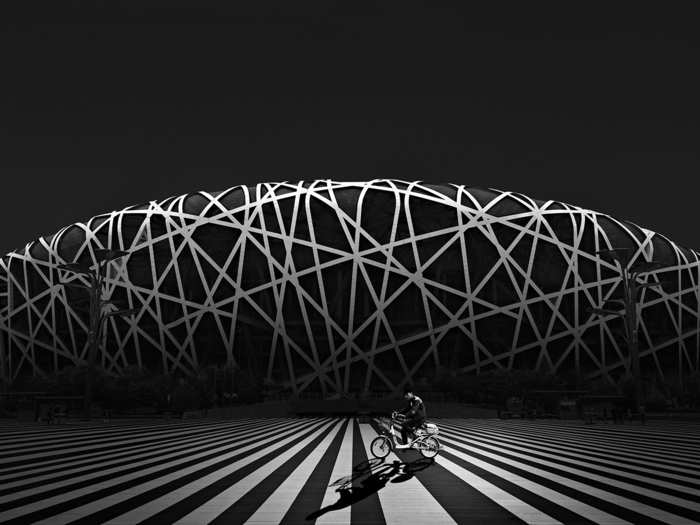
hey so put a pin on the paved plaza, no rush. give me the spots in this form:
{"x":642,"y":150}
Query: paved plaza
{"x":320,"y":470}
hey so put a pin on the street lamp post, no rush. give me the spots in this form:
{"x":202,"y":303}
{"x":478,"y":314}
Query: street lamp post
{"x":626,"y":308}
{"x":97,"y":310}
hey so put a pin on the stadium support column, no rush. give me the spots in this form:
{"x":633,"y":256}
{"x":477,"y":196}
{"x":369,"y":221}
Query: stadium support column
{"x":6,"y":306}
{"x":627,"y":309}
{"x":99,"y":308}
{"x":93,"y":336}
{"x":632,"y":331}
{"x":4,"y":372}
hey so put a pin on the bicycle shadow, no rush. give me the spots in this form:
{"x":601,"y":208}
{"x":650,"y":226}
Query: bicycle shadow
{"x":369,"y":477}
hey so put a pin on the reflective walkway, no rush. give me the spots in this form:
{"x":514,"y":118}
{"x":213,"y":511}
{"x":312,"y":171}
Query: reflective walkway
{"x":317,"y":470}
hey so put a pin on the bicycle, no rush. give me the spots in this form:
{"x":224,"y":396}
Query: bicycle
{"x":424,"y":441}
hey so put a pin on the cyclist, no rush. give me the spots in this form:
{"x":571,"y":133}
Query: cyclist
{"x":413,"y":414}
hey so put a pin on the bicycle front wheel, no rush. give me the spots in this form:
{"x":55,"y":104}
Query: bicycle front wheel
{"x":380,"y":447}
{"x":428,"y":446}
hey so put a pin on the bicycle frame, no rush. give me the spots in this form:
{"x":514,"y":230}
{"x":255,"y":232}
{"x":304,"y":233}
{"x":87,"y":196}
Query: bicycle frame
{"x":394,"y":443}
{"x":427,"y":444}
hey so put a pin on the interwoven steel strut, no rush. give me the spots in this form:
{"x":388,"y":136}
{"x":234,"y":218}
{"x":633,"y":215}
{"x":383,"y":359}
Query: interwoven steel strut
{"x":352,"y":286}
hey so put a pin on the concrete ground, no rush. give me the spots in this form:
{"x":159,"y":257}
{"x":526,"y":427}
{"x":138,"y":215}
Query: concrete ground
{"x":320,"y":470}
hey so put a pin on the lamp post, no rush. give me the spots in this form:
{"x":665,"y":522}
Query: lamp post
{"x":97,"y":309}
{"x":626,"y":308}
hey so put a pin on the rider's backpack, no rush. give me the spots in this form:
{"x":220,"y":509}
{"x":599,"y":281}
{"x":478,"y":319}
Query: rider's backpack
{"x":431,"y":428}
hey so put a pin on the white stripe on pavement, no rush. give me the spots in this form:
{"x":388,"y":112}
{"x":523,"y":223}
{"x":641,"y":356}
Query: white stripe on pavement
{"x":501,"y":454}
{"x":408,"y":501}
{"x":571,"y":450}
{"x":604,"y":495}
{"x":152,"y":453}
{"x":564,"y":460}
{"x":222,"y":501}
{"x":273,"y":509}
{"x":164,"y":454}
{"x":342,"y":468}
{"x":77,"y":449}
{"x":113,"y":499}
{"x":515,"y":506}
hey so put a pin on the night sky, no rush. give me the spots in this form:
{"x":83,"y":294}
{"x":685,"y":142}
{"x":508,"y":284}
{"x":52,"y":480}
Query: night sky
{"x":106,"y":107}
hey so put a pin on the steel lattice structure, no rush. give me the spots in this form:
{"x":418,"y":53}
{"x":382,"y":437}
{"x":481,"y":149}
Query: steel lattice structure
{"x":339,"y":286}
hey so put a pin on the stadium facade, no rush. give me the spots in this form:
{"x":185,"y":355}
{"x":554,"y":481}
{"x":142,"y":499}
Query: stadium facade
{"x":343,"y":286}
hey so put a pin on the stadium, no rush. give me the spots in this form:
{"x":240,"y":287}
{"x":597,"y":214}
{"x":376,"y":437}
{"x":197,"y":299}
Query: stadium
{"x":337,"y":287}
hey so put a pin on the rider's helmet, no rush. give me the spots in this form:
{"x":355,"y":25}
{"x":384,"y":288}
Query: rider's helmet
{"x":408,"y":393}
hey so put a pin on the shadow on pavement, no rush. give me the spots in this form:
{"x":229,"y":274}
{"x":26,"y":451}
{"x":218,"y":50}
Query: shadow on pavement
{"x":369,"y":477}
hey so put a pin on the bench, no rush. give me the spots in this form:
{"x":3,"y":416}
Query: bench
{"x":57,"y":415}
{"x":589,"y":416}
{"x":322,"y":407}
{"x":362,"y":408}
{"x":507,"y":414}
{"x":57,"y":408}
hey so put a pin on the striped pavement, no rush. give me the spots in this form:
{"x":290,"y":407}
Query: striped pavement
{"x":320,"y":470}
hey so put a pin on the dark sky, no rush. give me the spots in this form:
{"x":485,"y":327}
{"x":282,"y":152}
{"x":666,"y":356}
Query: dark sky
{"x":111,"y":106}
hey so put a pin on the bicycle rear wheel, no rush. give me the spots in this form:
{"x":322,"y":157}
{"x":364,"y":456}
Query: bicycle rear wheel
{"x":380,"y":447}
{"x":429,"y":446}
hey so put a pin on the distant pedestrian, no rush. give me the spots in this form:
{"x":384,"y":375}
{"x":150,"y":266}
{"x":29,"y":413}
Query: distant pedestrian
{"x":49,"y":414}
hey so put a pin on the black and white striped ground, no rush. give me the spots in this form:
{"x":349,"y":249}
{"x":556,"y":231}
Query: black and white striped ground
{"x":301,"y":470}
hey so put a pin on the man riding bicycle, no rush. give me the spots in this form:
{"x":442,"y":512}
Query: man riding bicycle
{"x":413,"y":415}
